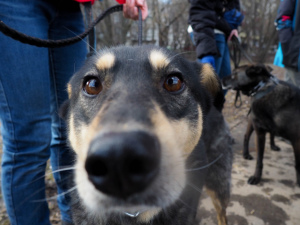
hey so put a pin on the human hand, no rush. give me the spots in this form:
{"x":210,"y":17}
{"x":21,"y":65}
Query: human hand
{"x":208,"y":59}
{"x":130,"y":9}
{"x":233,"y":32}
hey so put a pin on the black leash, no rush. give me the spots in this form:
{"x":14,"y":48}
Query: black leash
{"x":68,"y":41}
{"x":235,"y":55}
{"x":237,"y":50}
{"x":238,"y":97}
{"x":92,"y":35}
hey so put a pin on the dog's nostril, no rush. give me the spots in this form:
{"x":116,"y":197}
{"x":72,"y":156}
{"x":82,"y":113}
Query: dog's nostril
{"x":96,"y":167}
{"x":138,"y":167}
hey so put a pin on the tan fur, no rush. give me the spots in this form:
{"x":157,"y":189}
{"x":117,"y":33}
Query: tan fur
{"x":106,"y":61}
{"x":69,"y":89}
{"x":158,"y":60}
{"x":209,"y":79}
{"x":78,"y":138}
{"x":185,"y":140}
{"x":148,"y":215}
{"x":195,"y":134}
{"x":221,"y":210}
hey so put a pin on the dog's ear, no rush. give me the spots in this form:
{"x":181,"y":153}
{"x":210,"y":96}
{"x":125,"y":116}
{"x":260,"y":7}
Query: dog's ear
{"x":258,"y":70}
{"x":212,"y":83}
{"x":269,"y":68}
{"x":64,"y":109}
{"x":253,"y":70}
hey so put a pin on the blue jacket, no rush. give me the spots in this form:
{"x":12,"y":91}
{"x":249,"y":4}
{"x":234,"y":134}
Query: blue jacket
{"x":204,"y":17}
{"x":286,"y":28}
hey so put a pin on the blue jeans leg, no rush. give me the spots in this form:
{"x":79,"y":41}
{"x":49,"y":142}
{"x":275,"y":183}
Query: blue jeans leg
{"x":223,"y":67}
{"x":29,"y":102}
{"x":64,"y":62}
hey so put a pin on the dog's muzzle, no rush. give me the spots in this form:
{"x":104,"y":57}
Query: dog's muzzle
{"x":123,"y":164}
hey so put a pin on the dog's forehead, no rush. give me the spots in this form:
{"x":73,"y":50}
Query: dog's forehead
{"x":133,"y":57}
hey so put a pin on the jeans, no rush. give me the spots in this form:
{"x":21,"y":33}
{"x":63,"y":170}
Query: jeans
{"x":223,"y":67}
{"x":32,"y":88}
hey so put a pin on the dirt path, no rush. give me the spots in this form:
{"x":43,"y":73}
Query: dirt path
{"x":275,"y":201}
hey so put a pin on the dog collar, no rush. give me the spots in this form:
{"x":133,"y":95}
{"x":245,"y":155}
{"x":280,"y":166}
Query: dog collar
{"x":258,"y":93}
{"x":133,"y":215}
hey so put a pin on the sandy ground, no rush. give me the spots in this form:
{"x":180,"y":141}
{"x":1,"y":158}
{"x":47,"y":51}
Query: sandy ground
{"x":275,"y":201}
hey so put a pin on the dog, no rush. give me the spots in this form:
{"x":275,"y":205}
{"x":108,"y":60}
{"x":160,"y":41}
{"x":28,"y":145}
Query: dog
{"x":275,"y":108}
{"x":147,"y":128}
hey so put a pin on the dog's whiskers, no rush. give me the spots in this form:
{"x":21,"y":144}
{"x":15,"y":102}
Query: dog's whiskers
{"x":195,"y":187}
{"x":186,"y":205}
{"x":208,"y":165}
{"x":55,"y":197}
{"x":180,"y":53}
{"x":82,"y":39}
{"x":55,"y":171}
{"x":61,"y":170}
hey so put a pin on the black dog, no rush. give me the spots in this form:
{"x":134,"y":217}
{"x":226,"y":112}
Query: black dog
{"x":147,"y":138}
{"x":275,"y":108}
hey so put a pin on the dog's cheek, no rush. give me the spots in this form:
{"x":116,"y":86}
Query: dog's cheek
{"x":87,"y":191}
{"x":192,"y":130}
{"x":172,"y":167}
{"x":80,"y":135}
{"x":78,"y":138}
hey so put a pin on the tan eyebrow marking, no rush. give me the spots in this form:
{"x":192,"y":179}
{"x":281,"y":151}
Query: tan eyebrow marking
{"x":158,"y":60}
{"x":106,"y":61}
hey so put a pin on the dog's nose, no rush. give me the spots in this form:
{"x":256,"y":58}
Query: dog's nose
{"x":122,"y":164}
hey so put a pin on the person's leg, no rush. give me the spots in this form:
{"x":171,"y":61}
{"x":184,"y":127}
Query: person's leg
{"x":223,"y":66}
{"x":221,"y":48}
{"x":25,"y":114}
{"x":225,"y":69}
{"x":64,"y":62}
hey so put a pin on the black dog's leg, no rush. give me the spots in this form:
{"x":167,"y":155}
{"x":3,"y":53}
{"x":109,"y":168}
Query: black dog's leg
{"x":272,"y":143}
{"x":247,"y":136}
{"x":260,"y":148}
{"x":296,"y":147}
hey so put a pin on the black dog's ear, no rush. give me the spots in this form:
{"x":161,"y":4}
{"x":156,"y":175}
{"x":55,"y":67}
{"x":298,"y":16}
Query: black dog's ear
{"x":212,"y":83}
{"x":269,"y":68}
{"x":253,"y":70}
{"x":258,"y":70}
{"x":64,"y":109}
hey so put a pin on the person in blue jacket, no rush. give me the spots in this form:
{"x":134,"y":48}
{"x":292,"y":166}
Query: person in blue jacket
{"x":288,"y":26}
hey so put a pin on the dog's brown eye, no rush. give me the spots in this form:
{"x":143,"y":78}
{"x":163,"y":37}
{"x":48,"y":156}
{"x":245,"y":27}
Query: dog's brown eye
{"x":173,"y":84}
{"x":92,"y":86}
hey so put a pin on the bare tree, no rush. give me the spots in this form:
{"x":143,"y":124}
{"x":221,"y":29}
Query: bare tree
{"x":258,"y":31}
{"x":166,"y":26}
